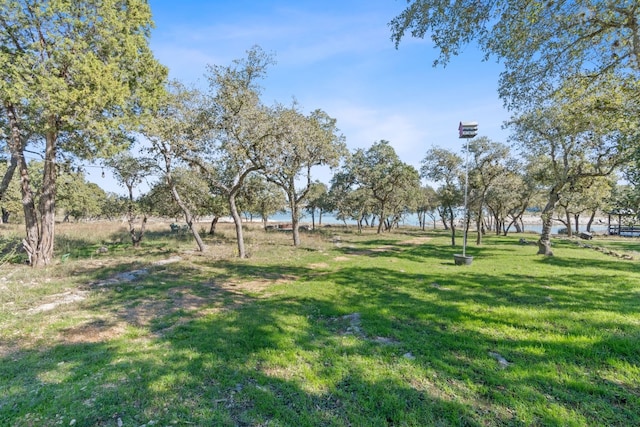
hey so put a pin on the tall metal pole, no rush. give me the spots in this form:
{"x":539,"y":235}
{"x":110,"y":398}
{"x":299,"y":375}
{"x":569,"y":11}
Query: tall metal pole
{"x":466,"y":206}
{"x":467,"y":130}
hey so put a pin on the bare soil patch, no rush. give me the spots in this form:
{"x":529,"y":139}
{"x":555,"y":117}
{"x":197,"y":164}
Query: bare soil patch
{"x":93,"y":332}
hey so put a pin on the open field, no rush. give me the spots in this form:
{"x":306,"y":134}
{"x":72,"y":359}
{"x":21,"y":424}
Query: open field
{"x":360,"y":330}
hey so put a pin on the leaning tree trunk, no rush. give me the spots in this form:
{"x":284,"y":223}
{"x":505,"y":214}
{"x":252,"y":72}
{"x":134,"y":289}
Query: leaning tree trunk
{"x":591,"y":218}
{"x":214,"y":222}
{"x":544,"y":244}
{"x":188,"y":217}
{"x":237,"y":220}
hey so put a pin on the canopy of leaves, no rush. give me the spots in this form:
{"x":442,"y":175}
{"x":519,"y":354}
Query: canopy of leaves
{"x":539,"y":42}
{"x":82,"y":69}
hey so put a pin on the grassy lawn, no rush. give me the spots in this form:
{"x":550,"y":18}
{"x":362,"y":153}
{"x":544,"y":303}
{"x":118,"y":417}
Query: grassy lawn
{"x":359,"y":330}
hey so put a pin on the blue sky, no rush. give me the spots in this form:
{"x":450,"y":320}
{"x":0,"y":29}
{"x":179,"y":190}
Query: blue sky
{"x":337,"y":56}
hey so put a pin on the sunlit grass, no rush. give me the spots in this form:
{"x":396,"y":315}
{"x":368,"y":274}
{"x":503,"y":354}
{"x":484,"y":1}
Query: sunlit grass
{"x":350,"y":329}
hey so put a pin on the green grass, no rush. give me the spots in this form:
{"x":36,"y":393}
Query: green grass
{"x":371,"y":330}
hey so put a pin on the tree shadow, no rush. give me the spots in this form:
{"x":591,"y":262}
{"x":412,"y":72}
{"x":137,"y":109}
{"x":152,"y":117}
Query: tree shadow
{"x":220,"y":344}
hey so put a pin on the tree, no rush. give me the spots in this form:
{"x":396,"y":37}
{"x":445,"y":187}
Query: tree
{"x":195,"y":195}
{"x":573,"y":140}
{"x":511,"y":195}
{"x":74,"y":74}
{"x":77,"y":197}
{"x":540,"y":43}
{"x":427,"y":204}
{"x":487,"y":166}
{"x":445,"y":167}
{"x":241,"y":127}
{"x":589,"y":196}
{"x":171,"y":129}
{"x":114,"y":206}
{"x":263,"y":198}
{"x":348,"y":200}
{"x":380,"y":172}
{"x":316,"y":200}
{"x":300,"y":143}
{"x":130,"y":171}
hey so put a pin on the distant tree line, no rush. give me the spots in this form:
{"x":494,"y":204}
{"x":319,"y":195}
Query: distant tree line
{"x":79,"y":83}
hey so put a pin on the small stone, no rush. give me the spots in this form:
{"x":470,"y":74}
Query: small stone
{"x":72,"y":422}
{"x":408,"y":355}
{"x":501,"y":360}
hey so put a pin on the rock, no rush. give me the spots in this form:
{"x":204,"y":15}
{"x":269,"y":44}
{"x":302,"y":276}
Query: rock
{"x":501,"y":360}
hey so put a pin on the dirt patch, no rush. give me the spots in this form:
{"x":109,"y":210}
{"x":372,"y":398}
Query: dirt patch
{"x":92,"y":332}
{"x":318,"y":265}
{"x":258,"y":284}
{"x":184,"y":298}
{"x":341,"y":258}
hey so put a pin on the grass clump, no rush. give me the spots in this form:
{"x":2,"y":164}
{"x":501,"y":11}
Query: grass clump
{"x":363,"y":329}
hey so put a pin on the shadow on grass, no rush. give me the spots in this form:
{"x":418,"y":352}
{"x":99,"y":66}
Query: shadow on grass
{"x":210,"y":350}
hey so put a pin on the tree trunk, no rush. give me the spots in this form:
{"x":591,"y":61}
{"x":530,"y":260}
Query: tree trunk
{"x":43,"y":254}
{"x":576,"y":220}
{"x":479,"y":228}
{"x":452,"y":225}
{"x":295,"y":220}
{"x":381,"y":222}
{"x":591,"y":218}
{"x":238,"y":224}
{"x":16,"y":147}
{"x":214,"y":222}
{"x":188,"y":217}
{"x":568,"y":224}
{"x":544,"y":244}
{"x":313,"y":219}
{"x":31,"y":240}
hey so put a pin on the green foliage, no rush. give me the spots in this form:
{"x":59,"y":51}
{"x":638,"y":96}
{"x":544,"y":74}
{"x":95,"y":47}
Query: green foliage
{"x":78,"y":198}
{"x":540,"y":43}
{"x":10,"y":201}
{"x":194,"y":191}
{"x":299,"y":144}
{"x":384,"y":178}
{"x":261,"y":197}
{"x":84,"y":64}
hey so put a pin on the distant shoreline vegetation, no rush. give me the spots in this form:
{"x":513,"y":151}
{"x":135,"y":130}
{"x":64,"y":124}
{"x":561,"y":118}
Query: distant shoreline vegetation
{"x":532,"y":223}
